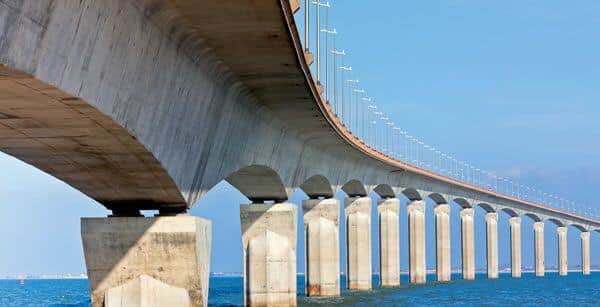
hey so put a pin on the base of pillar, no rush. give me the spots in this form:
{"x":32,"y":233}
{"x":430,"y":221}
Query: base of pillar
{"x":172,"y":250}
{"x":146,"y":291}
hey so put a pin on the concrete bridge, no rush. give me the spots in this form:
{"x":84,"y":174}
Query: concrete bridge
{"x":147,"y":104}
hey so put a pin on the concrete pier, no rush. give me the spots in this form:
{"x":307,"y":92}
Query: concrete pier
{"x":468,"y":243}
{"x":585,"y":253}
{"x":442,"y":238}
{"x":358,"y":242}
{"x":416,"y":244}
{"x":515,"y":246}
{"x":269,"y":248}
{"x":321,"y":233}
{"x":172,"y":252}
{"x":538,"y":231}
{"x":491,"y":219}
{"x":389,"y":241}
{"x":562,"y":251}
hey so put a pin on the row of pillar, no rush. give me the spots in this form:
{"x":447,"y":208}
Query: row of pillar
{"x":170,"y":254}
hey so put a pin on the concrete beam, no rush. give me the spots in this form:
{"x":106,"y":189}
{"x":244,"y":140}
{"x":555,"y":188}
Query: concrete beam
{"x":389,"y":241}
{"x":358,"y":242}
{"x":468,"y":243}
{"x":269,"y":246}
{"x":416,"y":241}
{"x":538,"y":231}
{"x":515,"y":246}
{"x":442,"y":234}
{"x":321,"y":233}
{"x":563,"y":266}
{"x":174,"y":250}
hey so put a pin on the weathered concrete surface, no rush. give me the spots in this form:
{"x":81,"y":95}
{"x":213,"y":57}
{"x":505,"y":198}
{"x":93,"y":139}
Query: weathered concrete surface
{"x":563,"y":267}
{"x":468,"y":243}
{"x":321,"y":233}
{"x":442,"y":238}
{"x":491,"y":220}
{"x":416,"y":241}
{"x":389,"y":241}
{"x":515,"y":246}
{"x":174,"y":250}
{"x":538,"y":232}
{"x":358,"y":242}
{"x":145,"y":291}
{"x":585,"y":253}
{"x":269,"y":245}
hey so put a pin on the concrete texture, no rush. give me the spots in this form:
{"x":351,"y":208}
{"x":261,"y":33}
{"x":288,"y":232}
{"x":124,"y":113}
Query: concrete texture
{"x":416,"y":242}
{"x":515,"y":246}
{"x":321,"y":233}
{"x":174,"y":250}
{"x":358,"y":242}
{"x":269,"y":248}
{"x":585,"y":253}
{"x":538,"y":232}
{"x":468,"y":243}
{"x":442,"y":239}
{"x":145,"y":291}
{"x":491,"y":220}
{"x":563,"y":267}
{"x":389,"y":241}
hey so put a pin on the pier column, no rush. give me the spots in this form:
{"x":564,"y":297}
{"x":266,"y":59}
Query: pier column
{"x":562,"y":251}
{"x":491,"y":220}
{"x":358,"y":242}
{"x":416,"y":244}
{"x":538,"y":231}
{"x":389,"y":241}
{"x":468,"y":243}
{"x":321,"y":233}
{"x":585,"y":253}
{"x":164,"y":259}
{"x":515,"y":246}
{"x":269,"y":248}
{"x":442,"y":238}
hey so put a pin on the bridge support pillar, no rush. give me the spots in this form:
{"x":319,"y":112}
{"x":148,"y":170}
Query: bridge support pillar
{"x":442,"y":234}
{"x":269,"y":249}
{"x":389,"y":241}
{"x":468,"y":243}
{"x":562,"y":251}
{"x":416,"y":244}
{"x":491,"y":220}
{"x":321,"y":233}
{"x":585,"y":253}
{"x":538,"y":231}
{"x":515,"y":246}
{"x":358,"y":242}
{"x":134,"y":258}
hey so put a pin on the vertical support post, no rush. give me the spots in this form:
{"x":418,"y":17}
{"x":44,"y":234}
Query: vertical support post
{"x":491,"y":219}
{"x":389,"y":241}
{"x":562,"y":250}
{"x":321,"y":233}
{"x":468,"y":243}
{"x":538,"y":231}
{"x":269,"y":253}
{"x":515,"y":246}
{"x":358,"y":242}
{"x":442,"y":235}
{"x":416,"y":235}
{"x":585,"y":253}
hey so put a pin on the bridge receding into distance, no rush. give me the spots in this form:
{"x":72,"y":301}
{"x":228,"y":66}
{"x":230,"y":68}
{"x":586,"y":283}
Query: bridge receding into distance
{"x":148,"y":104}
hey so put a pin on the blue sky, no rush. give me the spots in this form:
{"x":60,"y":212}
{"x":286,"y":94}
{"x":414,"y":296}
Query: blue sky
{"x":510,"y":86}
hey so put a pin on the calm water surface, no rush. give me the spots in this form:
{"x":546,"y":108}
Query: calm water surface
{"x":552,"y":290}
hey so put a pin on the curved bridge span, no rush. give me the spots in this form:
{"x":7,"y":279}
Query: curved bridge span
{"x":147,"y":104}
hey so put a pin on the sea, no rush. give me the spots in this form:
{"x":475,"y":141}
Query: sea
{"x":551,"y":290}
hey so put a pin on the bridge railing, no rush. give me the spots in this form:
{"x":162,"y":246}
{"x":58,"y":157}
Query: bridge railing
{"x":354,"y":107}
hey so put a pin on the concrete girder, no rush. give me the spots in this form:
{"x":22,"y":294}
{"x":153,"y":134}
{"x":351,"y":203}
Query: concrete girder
{"x":438,"y":198}
{"x":412,"y":194}
{"x":533,"y":216}
{"x":487,"y":207}
{"x":557,"y":222}
{"x":317,"y":186}
{"x":354,"y":188}
{"x":385,"y":191}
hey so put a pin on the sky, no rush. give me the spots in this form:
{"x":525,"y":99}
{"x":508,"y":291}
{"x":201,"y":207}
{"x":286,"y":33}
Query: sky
{"x":509,"y":86}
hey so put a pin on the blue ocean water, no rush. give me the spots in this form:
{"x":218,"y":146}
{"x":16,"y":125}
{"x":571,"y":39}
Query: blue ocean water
{"x":551,"y":290}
